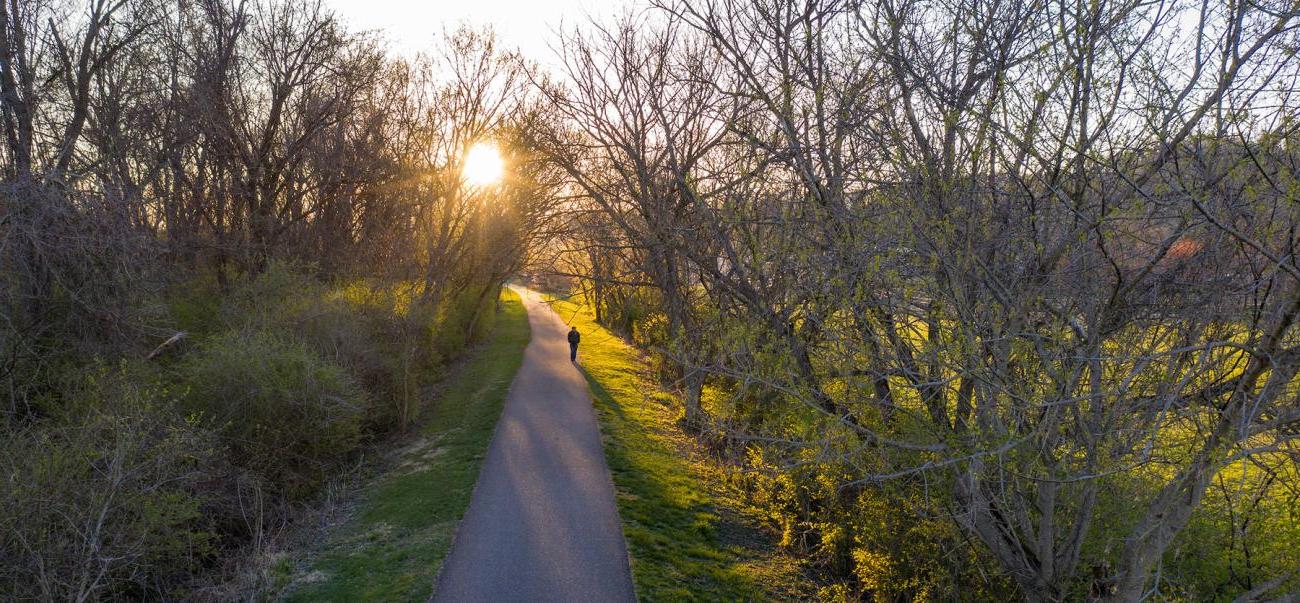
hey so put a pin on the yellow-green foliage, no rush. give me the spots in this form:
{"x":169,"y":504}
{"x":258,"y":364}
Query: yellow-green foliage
{"x":285,"y":413}
{"x":685,"y":532}
{"x":900,"y":539}
{"x":896,"y":540}
{"x":191,"y":455}
{"x":1244,"y":533}
{"x":103,"y":504}
{"x":907,"y":545}
{"x":387,"y":340}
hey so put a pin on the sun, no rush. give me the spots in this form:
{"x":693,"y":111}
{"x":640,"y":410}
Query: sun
{"x":483,"y":165}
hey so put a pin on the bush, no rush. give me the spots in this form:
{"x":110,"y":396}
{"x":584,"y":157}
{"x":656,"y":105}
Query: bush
{"x":1243,"y":534}
{"x":883,"y":541}
{"x":102,"y":506}
{"x":282,"y":412}
{"x":386,"y":349}
{"x":462,"y":319}
{"x":388,"y":343}
{"x":75,"y":283}
{"x":123,"y":483}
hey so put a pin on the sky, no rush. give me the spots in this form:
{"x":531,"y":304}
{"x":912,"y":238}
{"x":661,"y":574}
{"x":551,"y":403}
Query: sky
{"x":410,"y":26}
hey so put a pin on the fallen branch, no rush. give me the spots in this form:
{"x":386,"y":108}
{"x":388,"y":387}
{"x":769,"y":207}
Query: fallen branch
{"x":166,"y":345}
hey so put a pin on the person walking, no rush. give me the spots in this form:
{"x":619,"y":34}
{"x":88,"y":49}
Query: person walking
{"x":574,"y":338}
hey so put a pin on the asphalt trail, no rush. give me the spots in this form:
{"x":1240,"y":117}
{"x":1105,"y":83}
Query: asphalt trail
{"x":542,"y":524}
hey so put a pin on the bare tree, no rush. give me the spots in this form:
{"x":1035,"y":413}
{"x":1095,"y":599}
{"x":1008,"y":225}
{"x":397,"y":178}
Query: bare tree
{"x":1014,"y":247}
{"x":642,"y":111}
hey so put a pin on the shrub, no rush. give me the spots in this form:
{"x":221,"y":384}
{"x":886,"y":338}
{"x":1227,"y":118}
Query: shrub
{"x":387,"y":351}
{"x":889,"y":543}
{"x":383,"y":339}
{"x":124,"y":483}
{"x":1243,"y":534}
{"x":101,"y":506}
{"x":75,"y":282}
{"x":283,"y":412}
{"x":454,"y":328}
{"x":194,"y":306}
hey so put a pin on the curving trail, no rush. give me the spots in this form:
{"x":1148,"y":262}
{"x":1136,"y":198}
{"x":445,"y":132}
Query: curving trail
{"x":542,"y":524}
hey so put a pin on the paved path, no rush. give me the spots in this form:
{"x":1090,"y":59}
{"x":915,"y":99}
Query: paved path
{"x":541,"y":525}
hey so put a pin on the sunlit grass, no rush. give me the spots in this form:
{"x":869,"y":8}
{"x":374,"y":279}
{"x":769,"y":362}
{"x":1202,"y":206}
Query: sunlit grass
{"x":685,"y":536}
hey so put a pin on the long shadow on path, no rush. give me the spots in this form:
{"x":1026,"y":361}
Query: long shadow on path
{"x":542,"y":524}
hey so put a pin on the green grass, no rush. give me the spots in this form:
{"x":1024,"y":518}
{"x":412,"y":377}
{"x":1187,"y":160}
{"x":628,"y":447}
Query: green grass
{"x":392,"y":546}
{"x":686,"y":531}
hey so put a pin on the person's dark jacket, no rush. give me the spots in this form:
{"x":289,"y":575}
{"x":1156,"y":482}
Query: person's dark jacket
{"x":574,"y":337}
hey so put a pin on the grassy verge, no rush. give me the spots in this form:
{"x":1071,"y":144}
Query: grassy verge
{"x":392,"y":545}
{"x":687,"y":534}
